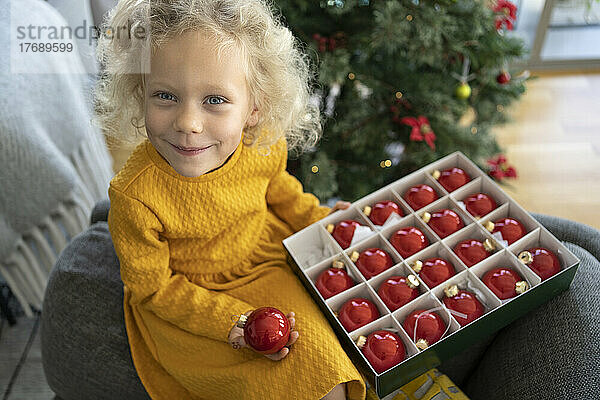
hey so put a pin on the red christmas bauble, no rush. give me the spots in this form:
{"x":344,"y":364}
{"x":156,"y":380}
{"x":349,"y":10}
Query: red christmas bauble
{"x":503,"y":78}
{"x":453,"y":178}
{"x":383,"y":349}
{"x":542,"y":261}
{"x":419,"y":196}
{"x":344,"y":231}
{"x":465,"y":303}
{"x":480,"y":204}
{"x":505,"y":282}
{"x":510,"y":228}
{"x":373,"y":261}
{"x":434,"y":271}
{"x":382,"y":210}
{"x":444,"y":222}
{"x":397,"y":291}
{"x":471,"y":251}
{"x":430,"y":327}
{"x":356,"y":313}
{"x":407,"y":241}
{"x":267,"y":330}
{"x":333,"y":281}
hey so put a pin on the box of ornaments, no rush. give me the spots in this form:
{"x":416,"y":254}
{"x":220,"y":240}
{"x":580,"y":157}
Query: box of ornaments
{"x":426,"y":266}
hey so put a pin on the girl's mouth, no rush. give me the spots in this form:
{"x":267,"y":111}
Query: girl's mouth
{"x":190,"y":151}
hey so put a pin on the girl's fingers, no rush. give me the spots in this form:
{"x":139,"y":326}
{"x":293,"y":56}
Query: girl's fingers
{"x":293,"y":337}
{"x":292,"y":322}
{"x":279,"y":355}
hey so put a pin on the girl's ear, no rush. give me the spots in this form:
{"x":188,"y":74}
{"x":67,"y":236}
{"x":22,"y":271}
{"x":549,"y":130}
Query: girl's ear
{"x":252,"y":118}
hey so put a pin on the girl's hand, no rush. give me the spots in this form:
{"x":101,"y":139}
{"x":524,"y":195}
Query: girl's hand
{"x":340,"y":205}
{"x":236,"y":338}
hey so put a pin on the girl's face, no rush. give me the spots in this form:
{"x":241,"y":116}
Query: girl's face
{"x":197,"y":104}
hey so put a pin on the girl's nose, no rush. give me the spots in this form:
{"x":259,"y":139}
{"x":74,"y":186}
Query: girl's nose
{"x":188,"y":119}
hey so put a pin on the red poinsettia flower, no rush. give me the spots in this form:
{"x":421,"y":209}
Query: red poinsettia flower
{"x":500,"y":169}
{"x":421,"y":130}
{"x":506,"y":14}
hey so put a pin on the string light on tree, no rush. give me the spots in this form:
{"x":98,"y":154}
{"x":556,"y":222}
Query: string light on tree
{"x":314,"y":169}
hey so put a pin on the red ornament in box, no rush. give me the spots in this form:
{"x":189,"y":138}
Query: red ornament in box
{"x":397,"y":291}
{"x":510,"y":229}
{"x":408,"y":241}
{"x":383,"y":349}
{"x":266,"y":330}
{"x":542,"y":261}
{"x":343,"y":232}
{"x":372,"y":261}
{"x":381,"y":210}
{"x":433,"y":271}
{"x":472,"y":251}
{"x":480,"y":204}
{"x":505,"y":283}
{"x":463,"y":302}
{"x":452,"y":178}
{"x":357,"y":312}
{"x":430,"y":327}
{"x":334,"y":280}
{"x":419,"y":196}
{"x":443,"y":222}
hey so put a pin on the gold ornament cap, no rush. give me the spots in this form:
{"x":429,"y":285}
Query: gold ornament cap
{"x":367,"y":210}
{"x":426,"y":217}
{"x":241,"y":321}
{"x":354,"y":256}
{"x":338,"y":264}
{"x":436,"y":174}
{"x":451,"y":291}
{"x":417,"y":266}
{"x":422,"y":344}
{"x":412,"y":281}
{"x":488,"y":245}
{"x":521,"y":287}
{"x":526,"y":257}
{"x":489,"y":226}
{"x":361,"y":341}
{"x":330,"y":228}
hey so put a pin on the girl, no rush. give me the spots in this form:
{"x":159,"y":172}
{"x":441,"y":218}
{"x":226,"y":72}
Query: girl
{"x":199,"y":211}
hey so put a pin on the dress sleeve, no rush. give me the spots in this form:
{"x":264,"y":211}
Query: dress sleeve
{"x":286,"y":197}
{"x":145,"y":271}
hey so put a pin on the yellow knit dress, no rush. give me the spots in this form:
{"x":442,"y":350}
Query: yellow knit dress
{"x":194,"y":252}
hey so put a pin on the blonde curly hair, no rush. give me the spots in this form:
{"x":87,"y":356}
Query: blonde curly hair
{"x":277,"y":70}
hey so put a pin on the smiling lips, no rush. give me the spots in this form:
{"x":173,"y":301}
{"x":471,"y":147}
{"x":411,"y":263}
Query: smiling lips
{"x":189,"y":151}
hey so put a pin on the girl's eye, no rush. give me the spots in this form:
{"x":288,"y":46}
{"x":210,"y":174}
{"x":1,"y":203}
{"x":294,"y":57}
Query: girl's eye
{"x":165,"y":96}
{"x":215,"y":100}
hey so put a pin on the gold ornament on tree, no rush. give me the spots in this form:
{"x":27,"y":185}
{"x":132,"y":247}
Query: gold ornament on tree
{"x":463,"y":90}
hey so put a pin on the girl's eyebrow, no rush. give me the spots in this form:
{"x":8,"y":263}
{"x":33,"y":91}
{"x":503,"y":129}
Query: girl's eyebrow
{"x":210,"y":87}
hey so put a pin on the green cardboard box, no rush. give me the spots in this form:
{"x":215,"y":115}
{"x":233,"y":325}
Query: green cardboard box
{"x":313,"y":250}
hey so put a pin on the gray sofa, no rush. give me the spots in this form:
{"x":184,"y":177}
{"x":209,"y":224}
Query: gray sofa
{"x":552,"y":353}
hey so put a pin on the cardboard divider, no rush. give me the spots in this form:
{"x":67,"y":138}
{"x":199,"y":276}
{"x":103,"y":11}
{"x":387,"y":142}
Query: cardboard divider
{"x":474,"y":231}
{"x":385,"y":194}
{"x":469,"y":282}
{"x":447,"y":203}
{"x":390,"y":324}
{"x":398,"y":270}
{"x":376,"y":241}
{"x":505,"y":259}
{"x":313,"y":272}
{"x":479,"y":185}
{"x":312,"y":245}
{"x":415,"y":179}
{"x":510,"y":210}
{"x":455,"y":160}
{"x":413,"y":221}
{"x":437,"y":250}
{"x":427,"y":302}
{"x":542,"y":238}
{"x":363,"y":291}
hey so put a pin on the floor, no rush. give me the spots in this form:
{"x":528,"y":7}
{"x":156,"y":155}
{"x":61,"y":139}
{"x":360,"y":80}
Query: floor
{"x":554,"y":143}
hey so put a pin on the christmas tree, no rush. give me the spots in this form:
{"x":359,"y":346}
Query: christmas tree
{"x":402,"y":83}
